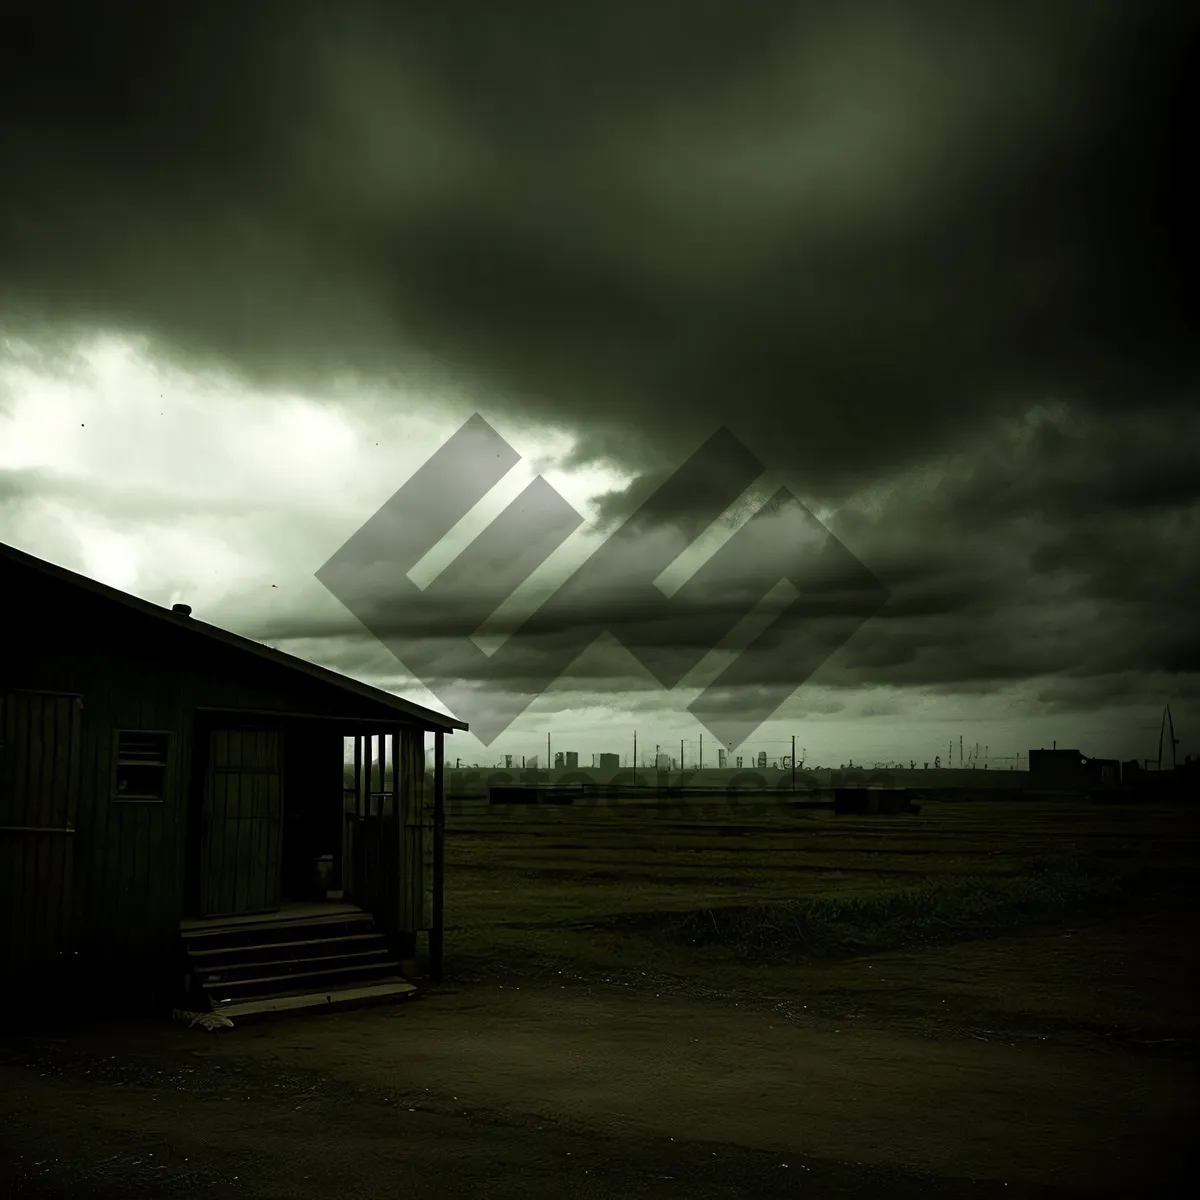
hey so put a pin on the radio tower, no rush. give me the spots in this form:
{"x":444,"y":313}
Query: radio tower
{"x":1167,"y":724}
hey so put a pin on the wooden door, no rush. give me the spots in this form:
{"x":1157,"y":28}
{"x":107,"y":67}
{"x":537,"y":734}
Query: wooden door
{"x":39,"y":790}
{"x":241,"y":838}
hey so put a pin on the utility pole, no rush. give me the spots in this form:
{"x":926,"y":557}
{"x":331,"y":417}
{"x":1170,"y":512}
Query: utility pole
{"x":681,"y":754}
{"x":793,"y":762}
{"x":960,"y":757}
{"x":701,"y":766}
{"x":635,"y":756}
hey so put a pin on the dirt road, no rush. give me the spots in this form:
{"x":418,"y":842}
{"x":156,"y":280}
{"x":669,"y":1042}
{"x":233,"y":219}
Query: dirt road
{"x":504,"y":1091}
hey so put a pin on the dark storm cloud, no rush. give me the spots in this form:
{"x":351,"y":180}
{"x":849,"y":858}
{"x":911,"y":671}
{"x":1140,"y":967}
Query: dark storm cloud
{"x":1071,"y":695}
{"x":799,"y":216}
{"x":1065,"y":545}
{"x":859,"y":235}
{"x":996,"y":575}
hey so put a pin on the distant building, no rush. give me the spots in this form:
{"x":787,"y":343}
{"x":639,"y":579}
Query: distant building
{"x":571,"y":759}
{"x":739,"y":762}
{"x":1071,"y":770}
{"x":1056,"y":768}
{"x":508,"y":762}
{"x":721,"y":759}
{"x":609,"y":761}
{"x":762,"y":758}
{"x":558,"y":760}
{"x":530,"y":763}
{"x":662,"y":762}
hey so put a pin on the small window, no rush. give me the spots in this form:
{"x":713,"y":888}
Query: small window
{"x":141,"y":766}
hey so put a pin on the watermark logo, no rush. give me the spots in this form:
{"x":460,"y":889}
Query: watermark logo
{"x":818,"y":591}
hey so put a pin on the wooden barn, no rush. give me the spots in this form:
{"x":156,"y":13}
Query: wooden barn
{"x":174,"y":822}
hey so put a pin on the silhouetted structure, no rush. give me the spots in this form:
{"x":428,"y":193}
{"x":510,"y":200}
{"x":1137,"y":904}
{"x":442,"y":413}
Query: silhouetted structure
{"x":1071,"y":771}
{"x":873,"y":801}
{"x":164,"y":782}
{"x":534,"y":794}
{"x":1167,"y":731}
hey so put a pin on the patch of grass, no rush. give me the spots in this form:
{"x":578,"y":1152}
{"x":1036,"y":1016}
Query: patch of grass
{"x":954,"y":909}
{"x":1001,"y":915}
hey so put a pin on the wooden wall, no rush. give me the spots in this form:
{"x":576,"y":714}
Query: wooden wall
{"x":128,"y":854}
{"x":416,"y":836}
{"x":39,"y":784}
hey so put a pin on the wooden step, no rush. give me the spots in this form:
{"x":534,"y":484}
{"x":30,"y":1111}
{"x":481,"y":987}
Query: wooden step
{"x":223,"y":975}
{"x":288,"y":911}
{"x":263,"y":965}
{"x":200,"y":937}
{"x":223,"y":956}
{"x":382,"y":992}
{"x":223,"y":993}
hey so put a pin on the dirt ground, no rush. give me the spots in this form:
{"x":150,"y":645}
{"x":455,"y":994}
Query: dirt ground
{"x":563,"y":1090}
{"x":566,"y":1061}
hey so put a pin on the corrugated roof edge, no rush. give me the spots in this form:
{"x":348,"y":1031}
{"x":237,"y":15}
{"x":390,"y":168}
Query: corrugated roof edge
{"x":418,"y":713}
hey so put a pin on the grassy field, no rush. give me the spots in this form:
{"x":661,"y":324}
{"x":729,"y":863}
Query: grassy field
{"x":1050,"y":915}
{"x":992,"y":998}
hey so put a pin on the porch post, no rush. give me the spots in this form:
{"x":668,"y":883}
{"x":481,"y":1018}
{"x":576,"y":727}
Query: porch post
{"x":397,"y":880}
{"x":437,"y":932}
{"x":352,"y":884}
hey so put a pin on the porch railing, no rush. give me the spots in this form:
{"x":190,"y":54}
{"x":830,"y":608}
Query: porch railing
{"x":388,"y":848}
{"x":364,"y":872}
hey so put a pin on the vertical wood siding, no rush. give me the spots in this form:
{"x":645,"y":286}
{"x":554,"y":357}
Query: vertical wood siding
{"x":39,"y":778}
{"x":131,"y":852}
{"x":416,"y":846}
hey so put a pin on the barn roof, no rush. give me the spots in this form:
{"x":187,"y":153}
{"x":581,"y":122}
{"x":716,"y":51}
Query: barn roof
{"x":415,"y":713}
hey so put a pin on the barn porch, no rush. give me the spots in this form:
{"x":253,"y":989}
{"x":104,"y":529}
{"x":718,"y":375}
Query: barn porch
{"x":302,"y":892}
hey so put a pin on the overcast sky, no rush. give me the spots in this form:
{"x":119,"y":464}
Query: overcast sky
{"x":927,"y":263}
